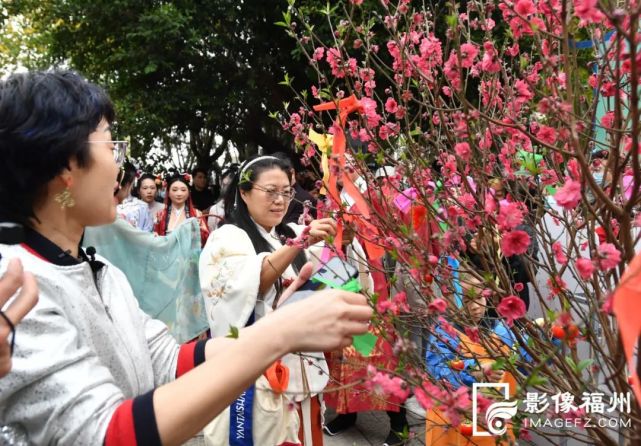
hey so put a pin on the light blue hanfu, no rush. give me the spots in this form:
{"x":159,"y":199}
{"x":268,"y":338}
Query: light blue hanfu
{"x":162,"y":271}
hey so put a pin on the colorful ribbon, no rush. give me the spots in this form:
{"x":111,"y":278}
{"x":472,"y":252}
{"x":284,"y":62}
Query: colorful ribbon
{"x":337,"y":162}
{"x":323,"y":142}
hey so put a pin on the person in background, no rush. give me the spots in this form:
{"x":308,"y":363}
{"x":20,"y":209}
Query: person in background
{"x":91,"y":368}
{"x":217,"y":211}
{"x":459,"y":360}
{"x":133,"y":210}
{"x":296,"y":207}
{"x":178,"y":208}
{"x":147,"y":191}
{"x":201,"y":196}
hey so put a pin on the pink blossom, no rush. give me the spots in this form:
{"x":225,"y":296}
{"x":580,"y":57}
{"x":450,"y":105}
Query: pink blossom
{"x":369,"y":108}
{"x":525,"y":7}
{"x":559,"y":255}
{"x":391,"y":106}
{"x":383,"y":306}
{"x":447,"y":327}
{"x":423,"y":399}
{"x":587,"y":11}
{"x":437,"y":306}
{"x":357,"y":2}
{"x":546,"y":134}
{"x":510,"y":216}
{"x":383,"y":132}
{"x":469,"y":51}
{"x":607,"y":121}
{"x":388,"y":386}
{"x":490,"y":63}
{"x":462,"y":150}
{"x":318,"y":53}
{"x":609,"y":256}
{"x":511,"y":308}
{"x":333,"y":58}
{"x":400,"y":300}
{"x":569,"y":195}
{"x":513,"y":51}
{"x":514,"y":243}
{"x":454,"y":402}
{"x":574,"y":169}
{"x":366,"y":74}
{"x":556,"y":284}
{"x":473,"y":334}
{"x":608,"y":304}
{"x":585,"y":268}
{"x":363,"y":135}
{"x":523,"y":91}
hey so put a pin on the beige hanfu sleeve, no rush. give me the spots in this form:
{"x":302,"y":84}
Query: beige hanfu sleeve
{"x":229,"y":278}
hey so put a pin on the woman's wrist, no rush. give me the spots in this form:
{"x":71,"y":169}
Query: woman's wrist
{"x":276,"y":330}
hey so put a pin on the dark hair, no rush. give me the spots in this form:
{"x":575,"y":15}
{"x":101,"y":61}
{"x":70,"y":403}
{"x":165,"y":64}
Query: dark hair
{"x":46,"y":118}
{"x":287,"y":161}
{"x":236,"y":211}
{"x":143,"y":177}
{"x":177,"y":177}
{"x":230,"y":171}
{"x":199,"y":169}
{"x":127,"y":174}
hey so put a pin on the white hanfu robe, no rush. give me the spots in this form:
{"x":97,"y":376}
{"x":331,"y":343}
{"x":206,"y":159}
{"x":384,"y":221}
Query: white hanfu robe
{"x":229,"y":278}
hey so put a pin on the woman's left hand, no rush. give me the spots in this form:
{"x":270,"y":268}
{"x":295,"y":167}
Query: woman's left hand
{"x":321,"y":229}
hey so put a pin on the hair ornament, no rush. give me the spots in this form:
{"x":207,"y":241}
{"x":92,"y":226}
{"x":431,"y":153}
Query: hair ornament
{"x":255,"y":160}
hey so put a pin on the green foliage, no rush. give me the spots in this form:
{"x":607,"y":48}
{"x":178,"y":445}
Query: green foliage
{"x":233,"y":333}
{"x":195,"y":73}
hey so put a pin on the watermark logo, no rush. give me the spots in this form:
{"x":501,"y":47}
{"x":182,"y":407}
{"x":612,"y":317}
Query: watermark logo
{"x":497,"y":414}
{"x":593,"y":409}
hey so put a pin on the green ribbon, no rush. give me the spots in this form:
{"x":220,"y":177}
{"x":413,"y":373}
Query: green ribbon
{"x":353,"y":285}
{"x":365,"y":343}
{"x":529,"y":161}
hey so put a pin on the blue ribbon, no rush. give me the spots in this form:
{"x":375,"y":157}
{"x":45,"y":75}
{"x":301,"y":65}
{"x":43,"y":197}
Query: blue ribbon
{"x":241,"y":413}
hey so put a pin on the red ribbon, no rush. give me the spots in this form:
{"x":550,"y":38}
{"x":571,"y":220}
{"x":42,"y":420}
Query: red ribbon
{"x":337,"y":162}
{"x":627,"y":309}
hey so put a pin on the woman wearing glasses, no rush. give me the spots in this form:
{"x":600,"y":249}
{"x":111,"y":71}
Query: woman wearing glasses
{"x":244,"y":267}
{"x":89,"y":367}
{"x":178,"y":208}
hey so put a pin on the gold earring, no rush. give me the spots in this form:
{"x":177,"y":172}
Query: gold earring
{"x":65,"y":199}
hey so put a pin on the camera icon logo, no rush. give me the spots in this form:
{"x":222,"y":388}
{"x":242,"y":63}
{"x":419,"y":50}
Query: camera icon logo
{"x":497,"y":415}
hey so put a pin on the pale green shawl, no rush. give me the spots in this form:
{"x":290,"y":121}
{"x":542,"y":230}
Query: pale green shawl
{"x":162,"y":271}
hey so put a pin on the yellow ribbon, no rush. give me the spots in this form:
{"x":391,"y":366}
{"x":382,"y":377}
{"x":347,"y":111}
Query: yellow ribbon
{"x":324,"y":143}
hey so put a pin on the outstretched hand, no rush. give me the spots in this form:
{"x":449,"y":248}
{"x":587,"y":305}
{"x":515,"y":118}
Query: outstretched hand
{"x":325,"y":321}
